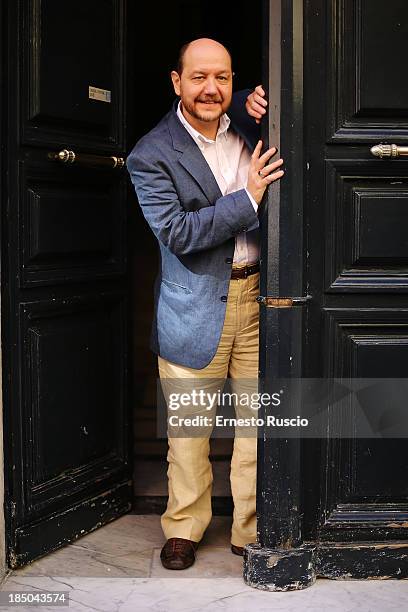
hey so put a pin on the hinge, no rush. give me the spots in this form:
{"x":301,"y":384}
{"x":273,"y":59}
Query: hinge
{"x":282,"y":302}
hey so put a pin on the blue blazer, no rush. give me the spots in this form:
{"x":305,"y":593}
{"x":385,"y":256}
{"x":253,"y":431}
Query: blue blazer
{"x":195,"y":227}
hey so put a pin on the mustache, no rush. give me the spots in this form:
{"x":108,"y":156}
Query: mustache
{"x":209,"y":99}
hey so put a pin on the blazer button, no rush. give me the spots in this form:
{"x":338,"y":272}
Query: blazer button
{"x":229,"y":260}
{"x":244,"y":228}
{"x":224,"y":298}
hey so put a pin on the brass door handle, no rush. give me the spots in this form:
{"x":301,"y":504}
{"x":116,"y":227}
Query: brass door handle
{"x":282,"y":302}
{"x":392,"y":150}
{"x":83,"y":159}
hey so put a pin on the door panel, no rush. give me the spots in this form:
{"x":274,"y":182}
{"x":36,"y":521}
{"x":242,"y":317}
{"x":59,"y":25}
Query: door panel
{"x":68,"y":48}
{"x":72,"y":223}
{"x":368,"y":488}
{"x":77,"y":344}
{"x":382,"y":92}
{"x":357,"y":272}
{"x":366,"y":46}
{"x":366,"y":211}
{"x":65,"y":277}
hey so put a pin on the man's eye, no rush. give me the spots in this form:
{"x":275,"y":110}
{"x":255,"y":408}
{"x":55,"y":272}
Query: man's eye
{"x":222,"y":78}
{"x":197,"y":78}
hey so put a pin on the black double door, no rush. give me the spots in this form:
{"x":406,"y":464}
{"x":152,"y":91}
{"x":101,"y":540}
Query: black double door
{"x":333,"y":230}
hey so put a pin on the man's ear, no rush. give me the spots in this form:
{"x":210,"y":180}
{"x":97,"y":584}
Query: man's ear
{"x":175,"y":77}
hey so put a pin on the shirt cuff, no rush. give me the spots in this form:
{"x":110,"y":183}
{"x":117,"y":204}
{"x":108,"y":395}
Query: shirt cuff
{"x":254,"y":204}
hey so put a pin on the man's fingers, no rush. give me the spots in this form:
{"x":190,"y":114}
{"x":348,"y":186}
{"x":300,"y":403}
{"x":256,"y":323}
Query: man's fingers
{"x":271,"y":167}
{"x":254,"y":113}
{"x":257,"y":150}
{"x":259,"y":90}
{"x":259,"y":100}
{"x":267,"y":155}
{"x":257,"y":108}
{"x":255,"y":103}
{"x":275,"y":175}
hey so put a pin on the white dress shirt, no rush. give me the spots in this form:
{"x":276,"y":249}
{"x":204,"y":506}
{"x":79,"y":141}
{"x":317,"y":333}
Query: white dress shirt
{"x":229,"y":158}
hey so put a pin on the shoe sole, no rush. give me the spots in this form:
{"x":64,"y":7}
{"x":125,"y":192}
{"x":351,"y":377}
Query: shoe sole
{"x":169,"y":567}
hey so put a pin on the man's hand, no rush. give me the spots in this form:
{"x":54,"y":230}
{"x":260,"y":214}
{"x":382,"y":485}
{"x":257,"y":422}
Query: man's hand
{"x":256,"y":103}
{"x":261,"y":175}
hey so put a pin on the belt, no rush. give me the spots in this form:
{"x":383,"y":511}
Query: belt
{"x":244,"y":271}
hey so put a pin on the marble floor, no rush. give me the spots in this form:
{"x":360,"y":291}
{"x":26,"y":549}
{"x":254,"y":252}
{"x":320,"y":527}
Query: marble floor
{"x":117,"y":569}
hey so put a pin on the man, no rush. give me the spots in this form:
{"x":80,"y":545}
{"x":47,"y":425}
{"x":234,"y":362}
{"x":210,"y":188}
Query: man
{"x":199,"y":179}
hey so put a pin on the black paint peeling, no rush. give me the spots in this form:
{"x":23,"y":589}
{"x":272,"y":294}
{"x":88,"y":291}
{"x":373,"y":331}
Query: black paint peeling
{"x":279,"y":569}
{"x":298,"y":568}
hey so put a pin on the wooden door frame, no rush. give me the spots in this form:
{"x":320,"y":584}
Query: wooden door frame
{"x":278,"y":475}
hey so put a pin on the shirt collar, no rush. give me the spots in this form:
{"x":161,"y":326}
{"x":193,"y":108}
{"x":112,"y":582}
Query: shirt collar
{"x":223,"y":126}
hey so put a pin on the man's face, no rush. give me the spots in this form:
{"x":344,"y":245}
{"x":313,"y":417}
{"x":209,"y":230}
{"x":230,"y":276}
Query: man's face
{"x":205,"y":84}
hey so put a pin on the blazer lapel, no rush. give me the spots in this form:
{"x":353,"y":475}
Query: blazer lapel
{"x":194,"y":162}
{"x":192,"y":159}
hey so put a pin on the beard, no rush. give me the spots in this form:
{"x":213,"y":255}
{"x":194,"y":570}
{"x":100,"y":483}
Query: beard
{"x":213,"y":113}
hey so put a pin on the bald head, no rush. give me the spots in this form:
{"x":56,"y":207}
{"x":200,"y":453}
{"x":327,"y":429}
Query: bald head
{"x":204,"y":84}
{"x":202,"y":49}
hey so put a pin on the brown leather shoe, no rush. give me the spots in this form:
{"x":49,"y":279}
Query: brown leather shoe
{"x":237,"y":550}
{"x":178,"y":553}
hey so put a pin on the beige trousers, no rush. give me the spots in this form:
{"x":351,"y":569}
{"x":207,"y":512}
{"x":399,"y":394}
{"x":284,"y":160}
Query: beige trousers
{"x":189,"y":472}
